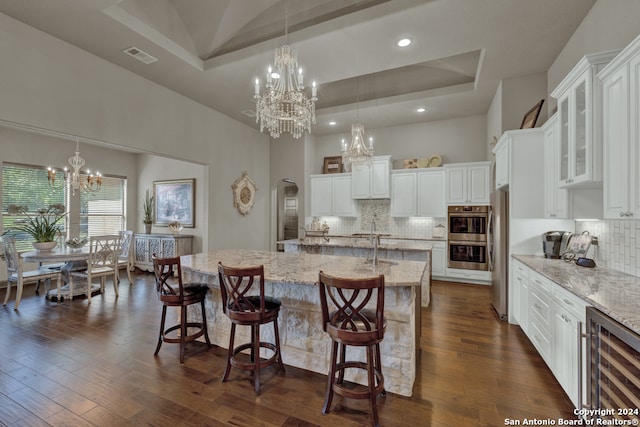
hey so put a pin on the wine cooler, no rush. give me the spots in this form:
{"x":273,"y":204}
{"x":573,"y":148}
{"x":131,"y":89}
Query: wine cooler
{"x":614,"y":370}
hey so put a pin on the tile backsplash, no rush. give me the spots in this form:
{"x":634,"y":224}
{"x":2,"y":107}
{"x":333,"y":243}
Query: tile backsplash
{"x":618,"y":244}
{"x":379,"y":211}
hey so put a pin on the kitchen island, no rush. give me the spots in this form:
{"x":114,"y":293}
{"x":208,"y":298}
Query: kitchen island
{"x":292,"y":277}
{"x":389,"y":248}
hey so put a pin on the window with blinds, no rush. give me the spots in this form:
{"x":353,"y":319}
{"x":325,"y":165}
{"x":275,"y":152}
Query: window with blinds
{"x":25,"y":188}
{"x":103,"y":212}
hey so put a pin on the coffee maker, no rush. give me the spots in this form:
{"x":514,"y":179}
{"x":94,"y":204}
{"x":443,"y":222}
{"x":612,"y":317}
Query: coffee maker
{"x":554,"y":243}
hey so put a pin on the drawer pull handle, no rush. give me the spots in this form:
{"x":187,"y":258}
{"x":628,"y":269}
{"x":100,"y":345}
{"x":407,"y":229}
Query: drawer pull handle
{"x":566,"y":301}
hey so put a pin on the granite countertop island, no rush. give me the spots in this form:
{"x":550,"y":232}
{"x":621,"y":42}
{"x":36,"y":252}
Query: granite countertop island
{"x":614,"y":293}
{"x":292,"y":277}
{"x":389,"y":248}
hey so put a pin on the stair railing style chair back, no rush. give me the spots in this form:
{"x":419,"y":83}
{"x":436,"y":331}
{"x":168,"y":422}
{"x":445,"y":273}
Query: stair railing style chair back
{"x":16,"y":275}
{"x":124,"y":257}
{"x":245,"y":305}
{"x":172,"y":292}
{"x":353,"y":315}
{"x":102,"y":263}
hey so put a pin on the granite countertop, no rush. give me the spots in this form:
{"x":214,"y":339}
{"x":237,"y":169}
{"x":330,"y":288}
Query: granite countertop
{"x":614,"y":293}
{"x":301,"y":268}
{"x":388,"y":243}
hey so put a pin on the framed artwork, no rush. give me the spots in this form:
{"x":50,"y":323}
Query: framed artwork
{"x":529,"y":120}
{"x":332,"y":165}
{"x":174,"y":201}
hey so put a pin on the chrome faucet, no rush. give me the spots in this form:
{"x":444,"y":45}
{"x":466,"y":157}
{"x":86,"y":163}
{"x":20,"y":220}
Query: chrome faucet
{"x":375,"y":241}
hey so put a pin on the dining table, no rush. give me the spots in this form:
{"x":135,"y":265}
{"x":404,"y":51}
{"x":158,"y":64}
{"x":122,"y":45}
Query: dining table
{"x":66,"y":259}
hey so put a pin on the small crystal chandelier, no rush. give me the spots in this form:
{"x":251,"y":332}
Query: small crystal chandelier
{"x":91,"y":184}
{"x":284,"y":105}
{"x":358,"y":152}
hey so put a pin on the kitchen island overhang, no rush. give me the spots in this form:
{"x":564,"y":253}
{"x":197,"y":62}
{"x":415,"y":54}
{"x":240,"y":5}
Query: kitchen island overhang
{"x":292,"y":278}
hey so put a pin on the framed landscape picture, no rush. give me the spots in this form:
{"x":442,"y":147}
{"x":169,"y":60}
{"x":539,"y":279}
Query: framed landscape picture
{"x":174,"y":201}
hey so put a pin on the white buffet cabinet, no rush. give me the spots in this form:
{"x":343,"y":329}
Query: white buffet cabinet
{"x":163,"y":245}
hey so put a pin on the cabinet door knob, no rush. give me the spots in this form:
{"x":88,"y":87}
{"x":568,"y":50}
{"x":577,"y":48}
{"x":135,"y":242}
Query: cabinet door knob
{"x":622,"y":214}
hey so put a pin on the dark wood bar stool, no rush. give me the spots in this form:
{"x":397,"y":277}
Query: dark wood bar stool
{"x":173,"y":293}
{"x":243,"y":305}
{"x":349,"y":323}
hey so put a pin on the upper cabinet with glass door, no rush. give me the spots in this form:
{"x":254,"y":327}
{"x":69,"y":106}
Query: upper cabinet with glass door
{"x":579,"y":98}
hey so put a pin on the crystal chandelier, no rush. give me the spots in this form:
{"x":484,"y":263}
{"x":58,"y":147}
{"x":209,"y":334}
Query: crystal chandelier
{"x":284,"y":106}
{"x":91,"y":184}
{"x":358,"y":152}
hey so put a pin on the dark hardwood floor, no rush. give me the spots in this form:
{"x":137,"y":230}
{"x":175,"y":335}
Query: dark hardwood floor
{"x":73,"y":364}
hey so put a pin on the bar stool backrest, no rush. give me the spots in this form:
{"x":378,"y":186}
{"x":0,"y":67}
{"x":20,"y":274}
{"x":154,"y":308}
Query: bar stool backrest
{"x":241,"y":301}
{"x":351,"y":319}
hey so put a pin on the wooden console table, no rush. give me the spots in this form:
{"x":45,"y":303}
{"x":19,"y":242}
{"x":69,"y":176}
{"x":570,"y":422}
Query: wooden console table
{"x":163,"y":245}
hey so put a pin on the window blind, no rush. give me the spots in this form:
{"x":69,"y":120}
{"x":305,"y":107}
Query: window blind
{"x":103,"y":212}
{"x":26,"y":187}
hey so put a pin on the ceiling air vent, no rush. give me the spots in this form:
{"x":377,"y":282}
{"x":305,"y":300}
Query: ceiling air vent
{"x":140,"y":55}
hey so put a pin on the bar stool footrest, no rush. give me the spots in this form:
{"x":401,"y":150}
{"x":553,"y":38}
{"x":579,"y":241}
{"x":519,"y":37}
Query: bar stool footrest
{"x":354,"y":390}
{"x":187,"y":338}
{"x":251,"y":365}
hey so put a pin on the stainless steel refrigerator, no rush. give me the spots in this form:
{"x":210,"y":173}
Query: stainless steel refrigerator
{"x":499,"y":252}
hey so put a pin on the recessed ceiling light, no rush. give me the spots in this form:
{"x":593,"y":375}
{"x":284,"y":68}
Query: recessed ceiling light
{"x":403,"y":42}
{"x":421,"y":110}
{"x":332,"y":123}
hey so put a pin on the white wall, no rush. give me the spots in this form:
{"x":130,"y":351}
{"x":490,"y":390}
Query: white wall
{"x":155,"y":168}
{"x":494,"y":120}
{"x":456,"y":140}
{"x":49,"y":84}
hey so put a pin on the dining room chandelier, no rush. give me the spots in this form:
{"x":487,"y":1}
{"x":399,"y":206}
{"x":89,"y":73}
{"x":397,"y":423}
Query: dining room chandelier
{"x":285,"y":106}
{"x":91,"y":184}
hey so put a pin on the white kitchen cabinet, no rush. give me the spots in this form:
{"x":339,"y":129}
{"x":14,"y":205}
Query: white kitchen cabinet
{"x":404,"y":193}
{"x":469,"y":276}
{"x":556,"y":326}
{"x":569,"y":325}
{"x":467,"y":183}
{"x":331,"y":195}
{"x":439,"y":259}
{"x":621,"y":135}
{"x":556,"y":200}
{"x":163,"y":245}
{"x":431,"y":193}
{"x":579,"y":98}
{"x":501,"y":152}
{"x":418,"y":192}
{"x":372,"y":180}
{"x":521,"y":294}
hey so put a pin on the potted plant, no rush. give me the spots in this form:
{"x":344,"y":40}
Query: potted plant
{"x":147,"y":208}
{"x":43,"y":227}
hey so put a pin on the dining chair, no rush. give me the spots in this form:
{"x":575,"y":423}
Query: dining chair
{"x":102,"y":263}
{"x":124,"y":257}
{"x":16,"y":275}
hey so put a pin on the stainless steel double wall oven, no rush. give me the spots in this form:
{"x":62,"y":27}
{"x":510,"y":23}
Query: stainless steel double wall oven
{"x":468,"y":244}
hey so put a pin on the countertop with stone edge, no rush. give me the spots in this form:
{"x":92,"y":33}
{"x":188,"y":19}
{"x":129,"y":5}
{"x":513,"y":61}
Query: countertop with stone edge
{"x":388,"y":243}
{"x":614,"y":293}
{"x":301,"y":268}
